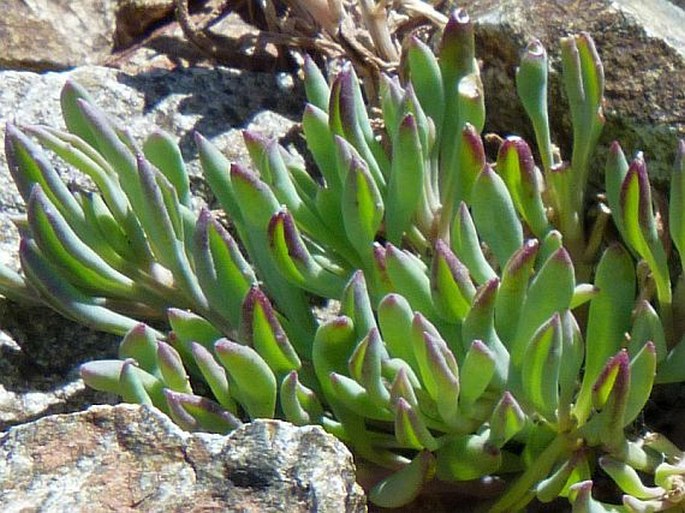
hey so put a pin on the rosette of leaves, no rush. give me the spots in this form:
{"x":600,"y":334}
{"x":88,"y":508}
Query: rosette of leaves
{"x":468,"y":343}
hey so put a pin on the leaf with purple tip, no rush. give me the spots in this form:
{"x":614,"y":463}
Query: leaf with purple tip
{"x":195,"y":413}
{"x":300,"y":404}
{"x":513,"y":288}
{"x":410,"y":429}
{"x":495,"y":216}
{"x":171,"y":366}
{"x":531,"y":85}
{"x":507,"y":420}
{"x":261,"y":327}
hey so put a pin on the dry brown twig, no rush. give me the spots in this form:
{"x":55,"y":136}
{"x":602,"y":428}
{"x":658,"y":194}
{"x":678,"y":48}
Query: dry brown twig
{"x":366,"y":32}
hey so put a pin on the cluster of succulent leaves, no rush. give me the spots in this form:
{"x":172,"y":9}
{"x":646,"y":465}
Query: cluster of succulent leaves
{"x":469,"y":340}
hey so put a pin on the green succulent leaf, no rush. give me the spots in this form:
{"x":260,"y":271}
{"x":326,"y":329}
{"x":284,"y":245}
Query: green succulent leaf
{"x":466,"y":245}
{"x":61,"y":245}
{"x":404,"y":485}
{"x":348,"y":118}
{"x":467,"y":457}
{"x":615,"y":173}
{"x":406,"y":180}
{"x":257,"y":206}
{"x":214,"y":375}
{"x":403,"y":387}
{"x":647,"y":327}
{"x":321,"y":144}
{"x":64,"y":297}
{"x":552,"y":487}
{"x":14,"y":287}
{"x":395,"y":318}
{"x":628,"y":479}
{"x":29,"y":165}
{"x":677,"y":199}
{"x":356,"y":304}
{"x":583,"y":77}
{"x":356,"y":398}
{"x":140,"y":344}
{"x":423,"y":334}
{"x":513,"y":288}
{"x":410,"y":429}
{"x":458,"y":186}
{"x":268,"y":157}
{"x":362,"y":207}
{"x":294,"y":260}
{"x":531,"y":85}
{"x":222,"y":271}
{"x":580,"y":496}
{"x":640,"y":226}
{"x":451,"y":286}
{"x":477,"y":370}
{"x":611,"y":393}
{"x":189,"y":327}
{"x":140,"y":387}
{"x":550,"y":291}
{"x":507,"y":420}
{"x":445,"y":372}
{"x":541,"y":365}
{"x":573,"y":353}
{"x":495,"y":216}
{"x":608,"y":318}
{"x":300,"y":404}
{"x":642,"y":373}
{"x":131,"y":385}
{"x":480,"y":325}
{"x":72,"y":93}
{"x":172,"y":369}
{"x":195,"y":413}
{"x":252,"y":382}
{"x":163,"y":152}
{"x":102,"y":375}
{"x":333,"y":346}
{"x":261,"y":328}
{"x":409,"y":277}
{"x":371,"y":369}
{"x":516,"y":167}
{"x":315,"y":84}
{"x":426,"y":78}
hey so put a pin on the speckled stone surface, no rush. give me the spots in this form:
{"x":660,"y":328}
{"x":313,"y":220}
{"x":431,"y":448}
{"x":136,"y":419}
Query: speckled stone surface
{"x":133,"y":458}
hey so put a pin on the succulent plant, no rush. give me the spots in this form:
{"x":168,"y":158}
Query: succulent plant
{"x":486,"y":325}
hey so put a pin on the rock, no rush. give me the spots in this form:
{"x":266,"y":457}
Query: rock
{"x":642,"y":46}
{"x":135,"y":16}
{"x":131,"y":457}
{"x":40,"y":352}
{"x":60,"y":34}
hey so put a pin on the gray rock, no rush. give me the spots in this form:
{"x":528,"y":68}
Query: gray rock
{"x":128,"y":457}
{"x":60,"y":34}
{"x":135,"y":16}
{"x":642,"y":46}
{"x":39,"y":357}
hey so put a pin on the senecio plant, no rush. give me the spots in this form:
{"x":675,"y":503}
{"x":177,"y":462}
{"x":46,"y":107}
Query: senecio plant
{"x":490,"y":326}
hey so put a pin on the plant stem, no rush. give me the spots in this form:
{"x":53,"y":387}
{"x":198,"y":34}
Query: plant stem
{"x":514,"y":496}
